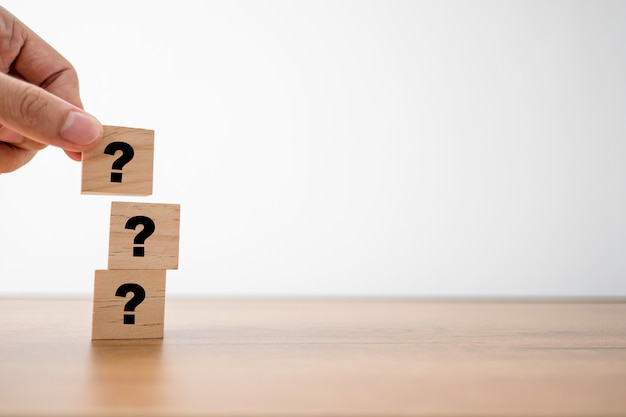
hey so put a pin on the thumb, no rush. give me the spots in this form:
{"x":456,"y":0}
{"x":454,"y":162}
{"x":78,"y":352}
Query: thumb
{"x":44,"y":117}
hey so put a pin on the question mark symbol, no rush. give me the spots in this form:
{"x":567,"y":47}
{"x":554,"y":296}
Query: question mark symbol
{"x":146,"y":232}
{"x":139,"y":294}
{"x":127,"y":154}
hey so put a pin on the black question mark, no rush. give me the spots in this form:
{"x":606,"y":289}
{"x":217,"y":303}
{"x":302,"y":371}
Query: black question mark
{"x":140,"y":239}
{"x":139,"y":294}
{"x":127,"y":154}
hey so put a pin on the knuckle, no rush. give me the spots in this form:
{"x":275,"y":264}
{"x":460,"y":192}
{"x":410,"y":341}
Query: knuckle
{"x":32,"y":106}
{"x":12,"y":158}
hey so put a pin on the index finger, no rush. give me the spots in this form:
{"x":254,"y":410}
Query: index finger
{"x":37,"y":62}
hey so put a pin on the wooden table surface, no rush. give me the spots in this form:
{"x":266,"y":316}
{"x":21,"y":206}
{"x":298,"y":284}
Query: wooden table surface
{"x":293,"y":357}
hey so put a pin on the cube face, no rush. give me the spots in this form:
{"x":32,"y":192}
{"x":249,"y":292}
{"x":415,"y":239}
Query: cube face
{"x":128,"y":304}
{"x":122,"y":164}
{"x":144,"y":236}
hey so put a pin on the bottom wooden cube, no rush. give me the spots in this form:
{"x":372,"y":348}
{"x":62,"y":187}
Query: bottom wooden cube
{"x":128,"y":304}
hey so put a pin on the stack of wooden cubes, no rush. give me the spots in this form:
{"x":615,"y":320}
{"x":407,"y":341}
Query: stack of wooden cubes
{"x":129,"y":296}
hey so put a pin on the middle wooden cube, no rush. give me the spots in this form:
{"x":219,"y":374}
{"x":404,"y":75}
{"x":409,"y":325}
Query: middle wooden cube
{"x":144,"y":236}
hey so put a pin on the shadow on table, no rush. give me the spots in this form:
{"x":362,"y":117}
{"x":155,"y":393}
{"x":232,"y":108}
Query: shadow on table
{"x":127,"y":374}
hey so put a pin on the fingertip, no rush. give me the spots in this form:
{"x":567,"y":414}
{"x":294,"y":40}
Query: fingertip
{"x":76,"y":156}
{"x":81,"y":129}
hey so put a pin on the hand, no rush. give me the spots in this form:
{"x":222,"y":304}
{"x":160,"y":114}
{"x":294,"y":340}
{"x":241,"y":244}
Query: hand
{"x":39,"y":100}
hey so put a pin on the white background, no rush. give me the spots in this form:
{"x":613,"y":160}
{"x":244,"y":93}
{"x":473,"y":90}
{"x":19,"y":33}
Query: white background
{"x":468,"y":148}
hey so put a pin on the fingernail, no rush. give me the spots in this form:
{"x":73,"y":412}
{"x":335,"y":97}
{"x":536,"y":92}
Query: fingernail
{"x":81,"y":129}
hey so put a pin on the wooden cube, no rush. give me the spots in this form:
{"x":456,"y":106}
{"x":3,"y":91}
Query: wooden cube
{"x":128,"y":304}
{"x":121,"y":164}
{"x":144,"y":236}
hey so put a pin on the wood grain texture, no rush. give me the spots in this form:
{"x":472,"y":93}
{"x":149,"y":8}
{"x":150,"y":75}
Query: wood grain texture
{"x":136,"y":175}
{"x":319,"y":358}
{"x":160,"y":249}
{"x":109,"y":313}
